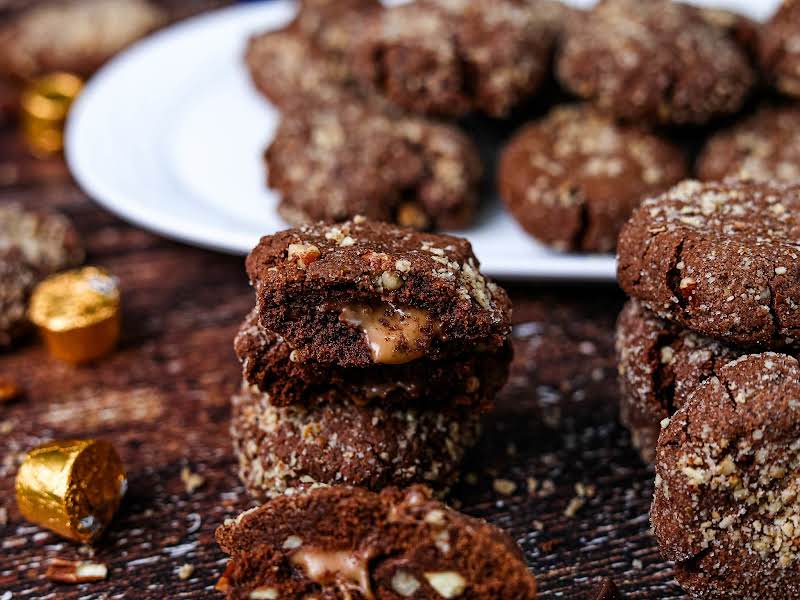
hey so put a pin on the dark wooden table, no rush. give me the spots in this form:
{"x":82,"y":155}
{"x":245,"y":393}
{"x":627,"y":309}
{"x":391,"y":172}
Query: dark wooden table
{"x":579,"y":508}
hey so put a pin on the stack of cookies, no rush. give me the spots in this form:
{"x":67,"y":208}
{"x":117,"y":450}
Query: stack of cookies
{"x":710,"y":381}
{"x":369,"y":357}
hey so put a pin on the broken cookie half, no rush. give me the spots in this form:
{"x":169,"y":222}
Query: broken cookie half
{"x":345,"y":542}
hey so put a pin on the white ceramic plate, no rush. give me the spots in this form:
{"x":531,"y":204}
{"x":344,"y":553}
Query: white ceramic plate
{"x":169,"y":136}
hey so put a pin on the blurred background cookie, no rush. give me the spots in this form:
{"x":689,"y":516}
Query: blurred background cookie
{"x":764,"y":146}
{"x":779,"y":50}
{"x":451,"y":57}
{"x":657,"y":61}
{"x":72,"y":35}
{"x":47,"y":240}
{"x":17,"y":279}
{"x":573,"y":178}
{"x":33,"y":245}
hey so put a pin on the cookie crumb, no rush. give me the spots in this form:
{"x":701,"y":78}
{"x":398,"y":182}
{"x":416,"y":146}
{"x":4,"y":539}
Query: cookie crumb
{"x":506,"y":487}
{"x":574,"y":506}
{"x":185,"y":571}
{"x":191,"y":480}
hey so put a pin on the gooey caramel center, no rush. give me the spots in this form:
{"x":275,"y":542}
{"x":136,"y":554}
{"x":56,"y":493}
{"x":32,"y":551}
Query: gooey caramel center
{"x":392,"y":333}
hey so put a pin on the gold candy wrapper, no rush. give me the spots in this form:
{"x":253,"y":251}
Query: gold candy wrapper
{"x":45,"y":103}
{"x":71,"y":487}
{"x":78,"y":314}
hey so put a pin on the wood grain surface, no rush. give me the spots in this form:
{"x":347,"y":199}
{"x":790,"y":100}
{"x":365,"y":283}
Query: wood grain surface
{"x":580,"y":499}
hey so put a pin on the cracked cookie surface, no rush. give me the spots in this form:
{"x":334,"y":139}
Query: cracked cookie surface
{"x":727,"y":502}
{"x":573,"y":178}
{"x":660,"y":364}
{"x":720,"y":258}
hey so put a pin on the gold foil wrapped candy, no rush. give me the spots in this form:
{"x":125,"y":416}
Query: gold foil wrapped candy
{"x":71,"y":487}
{"x":77,"y":313}
{"x":45,"y":104}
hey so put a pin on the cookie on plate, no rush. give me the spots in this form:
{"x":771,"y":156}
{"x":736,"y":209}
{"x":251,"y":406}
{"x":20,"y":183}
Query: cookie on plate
{"x":452,"y":57}
{"x":352,"y":158}
{"x":660,"y":365}
{"x":306,"y":64}
{"x":333,"y":25}
{"x":720,"y":258}
{"x":658,"y":61}
{"x":573,"y":178}
{"x":269,"y":363}
{"x":779,"y":51}
{"x":76,"y":35}
{"x":727,"y":502}
{"x":288,"y":70}
{"x":763,"y":146}
{"x":331,"y":441}
{"x":362,"y":293}
{"x":343,"y":542}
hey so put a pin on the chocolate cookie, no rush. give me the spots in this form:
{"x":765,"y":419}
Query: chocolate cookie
{"x":660,"y":365}
{"x":306,"y":64}
{"x":719,"y":258}
{"x":657,"y":61}
{"x":779,"y":51}
{"x":765,"y":146}
{"x":334,"y":162}
{"x":76,"y":36}
{"x":344,"y":542}
{"x":287,"y":69}
{"x":333,"y":25}
{"x":48,"y":241}
{"x":269,"y":363}
{"x":361,"y":293}
{"x":284,"y":449}
{"x":727,"y":502}
{"x":572,"y":179}
{"x":33,"y":244}
{"x":450,"y":57}
{"x":17,"y":279}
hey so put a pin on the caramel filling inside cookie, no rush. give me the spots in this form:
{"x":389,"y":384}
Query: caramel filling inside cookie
{"x":325,"y":567}
{"x":395,"y":335}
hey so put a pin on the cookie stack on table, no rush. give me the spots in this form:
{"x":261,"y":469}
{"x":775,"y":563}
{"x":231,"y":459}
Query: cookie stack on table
{"x":710,"y":381}
{"x":369,"y":357}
